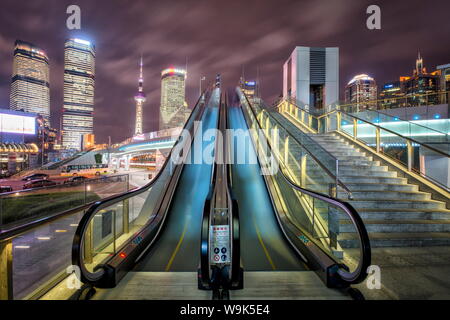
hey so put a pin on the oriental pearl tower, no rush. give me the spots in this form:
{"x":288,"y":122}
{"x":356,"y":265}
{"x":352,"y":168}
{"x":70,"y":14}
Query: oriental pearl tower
{"x":140,"y":99}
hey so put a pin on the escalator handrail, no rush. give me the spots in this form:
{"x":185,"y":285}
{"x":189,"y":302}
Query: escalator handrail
{"x":234,"y":221}
{"x":206,"y":218}
{"x":360,"y":273}
{"x":78,"y":241}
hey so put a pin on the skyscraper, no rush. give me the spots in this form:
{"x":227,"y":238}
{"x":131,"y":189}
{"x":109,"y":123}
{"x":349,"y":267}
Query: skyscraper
{"x":361,"y":92}
{"x":422,"y":87}
{"x":30,"y":84}
{"x":311,"y":77}
{"x":79,"y":80}
{"x":173,"y":111}
{"x":140,"y":99}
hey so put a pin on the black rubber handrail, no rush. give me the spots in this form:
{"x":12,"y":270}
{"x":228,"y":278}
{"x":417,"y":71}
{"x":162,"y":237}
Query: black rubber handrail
{"x":206,"y":218}
{"x":236,"y":281}
{"x":222,"y":124}
{"x":360,"y":273}
{"x":78,"y":241}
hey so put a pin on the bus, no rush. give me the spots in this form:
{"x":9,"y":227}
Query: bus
{"x":84,"y":169}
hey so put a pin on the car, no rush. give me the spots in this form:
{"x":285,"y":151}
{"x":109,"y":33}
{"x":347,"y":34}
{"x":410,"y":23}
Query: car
{"x":5,"y":189}
{"x":75,"y":180}
{"x":35,"y":176}
{"x":39,"y":184}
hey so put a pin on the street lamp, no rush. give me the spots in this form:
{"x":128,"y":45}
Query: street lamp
{"x":203,"y":78}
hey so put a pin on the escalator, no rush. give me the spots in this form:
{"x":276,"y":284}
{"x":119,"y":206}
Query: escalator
{"x":273,"y":224}
{"x":264,"y":247}
{"x":155,"y":227}
{"x":285,"y":227}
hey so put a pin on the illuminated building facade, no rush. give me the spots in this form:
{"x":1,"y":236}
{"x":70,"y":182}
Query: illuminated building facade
{"x":361,"y":91}
{"x":19,"y":140}
{"x":419,"y":89}
{"x":311,"y":77}
{"x":140,"y":99}
{"x":391,"y":94}
{"x":422,"y":87}
{"x":251,"y":90}
{"x":173,"y":110}
{"x":87,"y":141}
{"x":30,"y":84}
{"x":79,"y":82}
{"x":444,"y":73}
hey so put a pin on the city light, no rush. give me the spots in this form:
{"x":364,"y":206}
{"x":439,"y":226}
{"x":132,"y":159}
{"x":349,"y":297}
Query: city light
{"x":81,"y":41}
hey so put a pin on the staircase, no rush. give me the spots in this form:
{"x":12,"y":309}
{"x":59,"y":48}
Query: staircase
{"x":395,"y":213}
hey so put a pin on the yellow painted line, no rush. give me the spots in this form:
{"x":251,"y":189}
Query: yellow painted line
{"x":264,"y":247}
{"x":177,"y":248}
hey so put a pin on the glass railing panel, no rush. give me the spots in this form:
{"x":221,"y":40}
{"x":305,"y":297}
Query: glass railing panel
{"x":394,"y":146}
{"x":366,"y":133}
{"x":327,"y":225}
{"x":20,"y":207}
{"x":424,"y":131}
{"x":347,"y":124}
{"x":42,"y":254}
{"x":295,"y":157}
{"x":432,"y":165}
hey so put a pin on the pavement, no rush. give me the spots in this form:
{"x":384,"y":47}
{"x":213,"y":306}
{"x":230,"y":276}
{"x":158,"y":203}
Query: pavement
{"x":417,"y":273}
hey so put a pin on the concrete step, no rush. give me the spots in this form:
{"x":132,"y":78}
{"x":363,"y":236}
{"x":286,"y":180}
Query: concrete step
{"x":400,"y":239}
{"x":388,"y":194}
{"x":398,"y":214}
{"x":363,"y":179}
{"x":357,"y":158}
{"x":382,"y":187}
{"x":396,"y":226}
{"x":353,"y":162}
{"x":343,"y":172}
{"x":285,"y":285}
{"x":396,"y":204}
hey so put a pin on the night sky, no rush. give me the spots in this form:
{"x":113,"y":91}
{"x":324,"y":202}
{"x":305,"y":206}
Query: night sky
{"x":217,"y":36}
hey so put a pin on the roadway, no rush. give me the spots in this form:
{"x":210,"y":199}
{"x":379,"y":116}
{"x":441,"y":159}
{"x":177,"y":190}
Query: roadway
{"x":179,"y":245}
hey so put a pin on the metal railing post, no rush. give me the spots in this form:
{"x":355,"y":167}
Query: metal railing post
{"x":378,"y":139}
{"x":355,"y":128}
{"x":126,"y":216}
{"x":6,"y":270}
{"x":410,"y":154}
{"x":286,"y":151}
{"x":338,"y":120}
{"x":303,"y":171}
{"x":89,"y":244}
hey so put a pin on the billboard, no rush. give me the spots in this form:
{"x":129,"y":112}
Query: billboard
{"x":12,"y":123}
